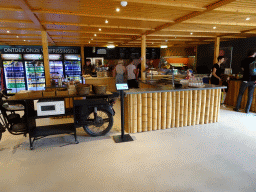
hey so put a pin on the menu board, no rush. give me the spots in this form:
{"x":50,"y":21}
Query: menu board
{"x":11,"y":56}
{"x":72,"y":57}
{"x":33,"y":57}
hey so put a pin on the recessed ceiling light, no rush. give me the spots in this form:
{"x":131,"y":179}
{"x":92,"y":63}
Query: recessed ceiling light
{"x":24,"y":40}
{"x":117,"y":9}
{"x":99,"y":29}
{"x":166,"y":40}
{"x":91,"y":39}
{"x":111,"y":46}
{"x":124,"y":3}
{"x":164,"y":46}
{"x":214,"y":27}
{"x":95,"y":35}
{"x":17,"y":36}
{"x":248,"y":18}
{"x":191,"y":33}
{"x":8,"y":31}
{"x":152,"y":43}
{"x":106,"y":21}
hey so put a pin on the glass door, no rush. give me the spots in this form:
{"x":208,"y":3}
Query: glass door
{"x":14,"y":76}
{"x":35,"y":75}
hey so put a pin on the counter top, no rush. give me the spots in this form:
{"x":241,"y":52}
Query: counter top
{"x":169,"y":88}
{"x":97,"y":78}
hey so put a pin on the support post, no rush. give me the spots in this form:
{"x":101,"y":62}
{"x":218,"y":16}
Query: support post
{"x":216,"y":49}
{"x":82,"y":57}
{"x":143,"y":56}
{"x":46,"y":58}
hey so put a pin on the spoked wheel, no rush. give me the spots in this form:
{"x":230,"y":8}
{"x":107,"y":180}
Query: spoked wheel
{"x":100,"y":125}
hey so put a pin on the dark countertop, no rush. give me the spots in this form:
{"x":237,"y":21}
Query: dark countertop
{"x":168,"y":88}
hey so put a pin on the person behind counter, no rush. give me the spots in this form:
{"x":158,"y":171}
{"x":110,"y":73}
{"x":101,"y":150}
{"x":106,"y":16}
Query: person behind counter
{"x":88,"y":69}
{"x":216,"y":71}
{"x":131,"y":75}
{"x":249,"y":81}
{"x":119,"y":71}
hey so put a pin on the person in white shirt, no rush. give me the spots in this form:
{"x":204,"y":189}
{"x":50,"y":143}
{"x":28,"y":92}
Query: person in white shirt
{"x":131,"y":75}
{"x":119,"y":71}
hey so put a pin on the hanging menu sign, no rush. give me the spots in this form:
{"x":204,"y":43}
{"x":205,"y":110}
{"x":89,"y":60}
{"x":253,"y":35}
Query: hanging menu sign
{"x":38,"y":49}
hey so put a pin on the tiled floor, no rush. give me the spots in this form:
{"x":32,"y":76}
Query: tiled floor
{"x":214,"y":157}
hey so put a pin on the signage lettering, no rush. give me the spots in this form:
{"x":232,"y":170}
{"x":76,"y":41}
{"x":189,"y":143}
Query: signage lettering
{"x":40,"y":50}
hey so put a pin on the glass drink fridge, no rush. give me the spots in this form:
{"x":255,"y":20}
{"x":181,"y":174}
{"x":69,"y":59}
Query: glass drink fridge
{"x":72,"y":65}
{"x":13,"y":72}
{"x":56,"y":66}
{"x":35,"y":71}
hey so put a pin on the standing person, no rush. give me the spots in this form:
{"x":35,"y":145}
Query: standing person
{"x":88,"y":68}
{"x":119,"y":71}
{"x":225,"y":79}
{"x":249,"y":81}
{"x":131,"y":75}
{"x":216,"y":71}
{"x":138,"y":74}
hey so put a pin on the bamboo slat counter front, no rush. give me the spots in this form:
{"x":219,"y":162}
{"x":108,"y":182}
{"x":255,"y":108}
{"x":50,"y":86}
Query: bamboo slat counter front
{"x":148,"y":109}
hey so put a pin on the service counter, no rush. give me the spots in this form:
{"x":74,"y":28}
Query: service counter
{"x":148,"y":109}
{"x":233,"y":91}
{"x":109,"y":81}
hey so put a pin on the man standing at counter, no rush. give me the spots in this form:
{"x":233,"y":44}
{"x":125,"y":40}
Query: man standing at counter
{"x":249,"y":80}
{"x":88,"y":68}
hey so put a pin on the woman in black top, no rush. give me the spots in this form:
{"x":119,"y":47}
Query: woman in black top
{"x":216,"y":71}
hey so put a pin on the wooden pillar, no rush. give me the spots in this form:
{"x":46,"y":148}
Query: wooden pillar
{"x":46,"y":58}
{"x":143,"y":56}
{"x":82,"y":57}
{"x":216,"y":49}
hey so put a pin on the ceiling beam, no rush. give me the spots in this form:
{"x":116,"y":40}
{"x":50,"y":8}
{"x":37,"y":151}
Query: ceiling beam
{"x":197,"y":31}
{"x":221,"y":23}
{"x":235,"y":11}
{"x":88,"y":25}
{"x":169,"y":4}
{"x":24,"y":5}
{"x":15,"y":21}
{"x":85,"y":32}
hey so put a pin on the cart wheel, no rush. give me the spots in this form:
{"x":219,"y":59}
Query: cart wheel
{"x":31,"y":148}
{"x":100,"y":126}
{"x":76,"y":142}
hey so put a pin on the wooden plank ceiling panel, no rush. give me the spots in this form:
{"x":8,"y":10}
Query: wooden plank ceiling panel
{"x":99,"y":22}
{"x":163,"y":21}
{"x":17,"y":15}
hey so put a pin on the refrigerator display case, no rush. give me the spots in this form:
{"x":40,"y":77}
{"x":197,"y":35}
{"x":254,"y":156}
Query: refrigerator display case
{"x":35,"y":71}
{"x":14,"y":72}
{"x":72,"y":67}
{"x":56,"y":66}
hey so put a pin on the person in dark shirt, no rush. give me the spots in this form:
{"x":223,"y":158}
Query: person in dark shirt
{"x":88,"y":68}
{"x":139,"y":71}
{"x":248,"y":81}
{"x":216,"y":71}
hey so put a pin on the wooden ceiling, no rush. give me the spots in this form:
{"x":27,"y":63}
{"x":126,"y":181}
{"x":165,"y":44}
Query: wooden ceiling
{"x":174,"y":23}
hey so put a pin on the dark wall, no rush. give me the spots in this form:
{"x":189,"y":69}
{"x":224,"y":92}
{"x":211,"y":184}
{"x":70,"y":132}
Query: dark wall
{"x":205,"y":54}
{"x":121,"y":52}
